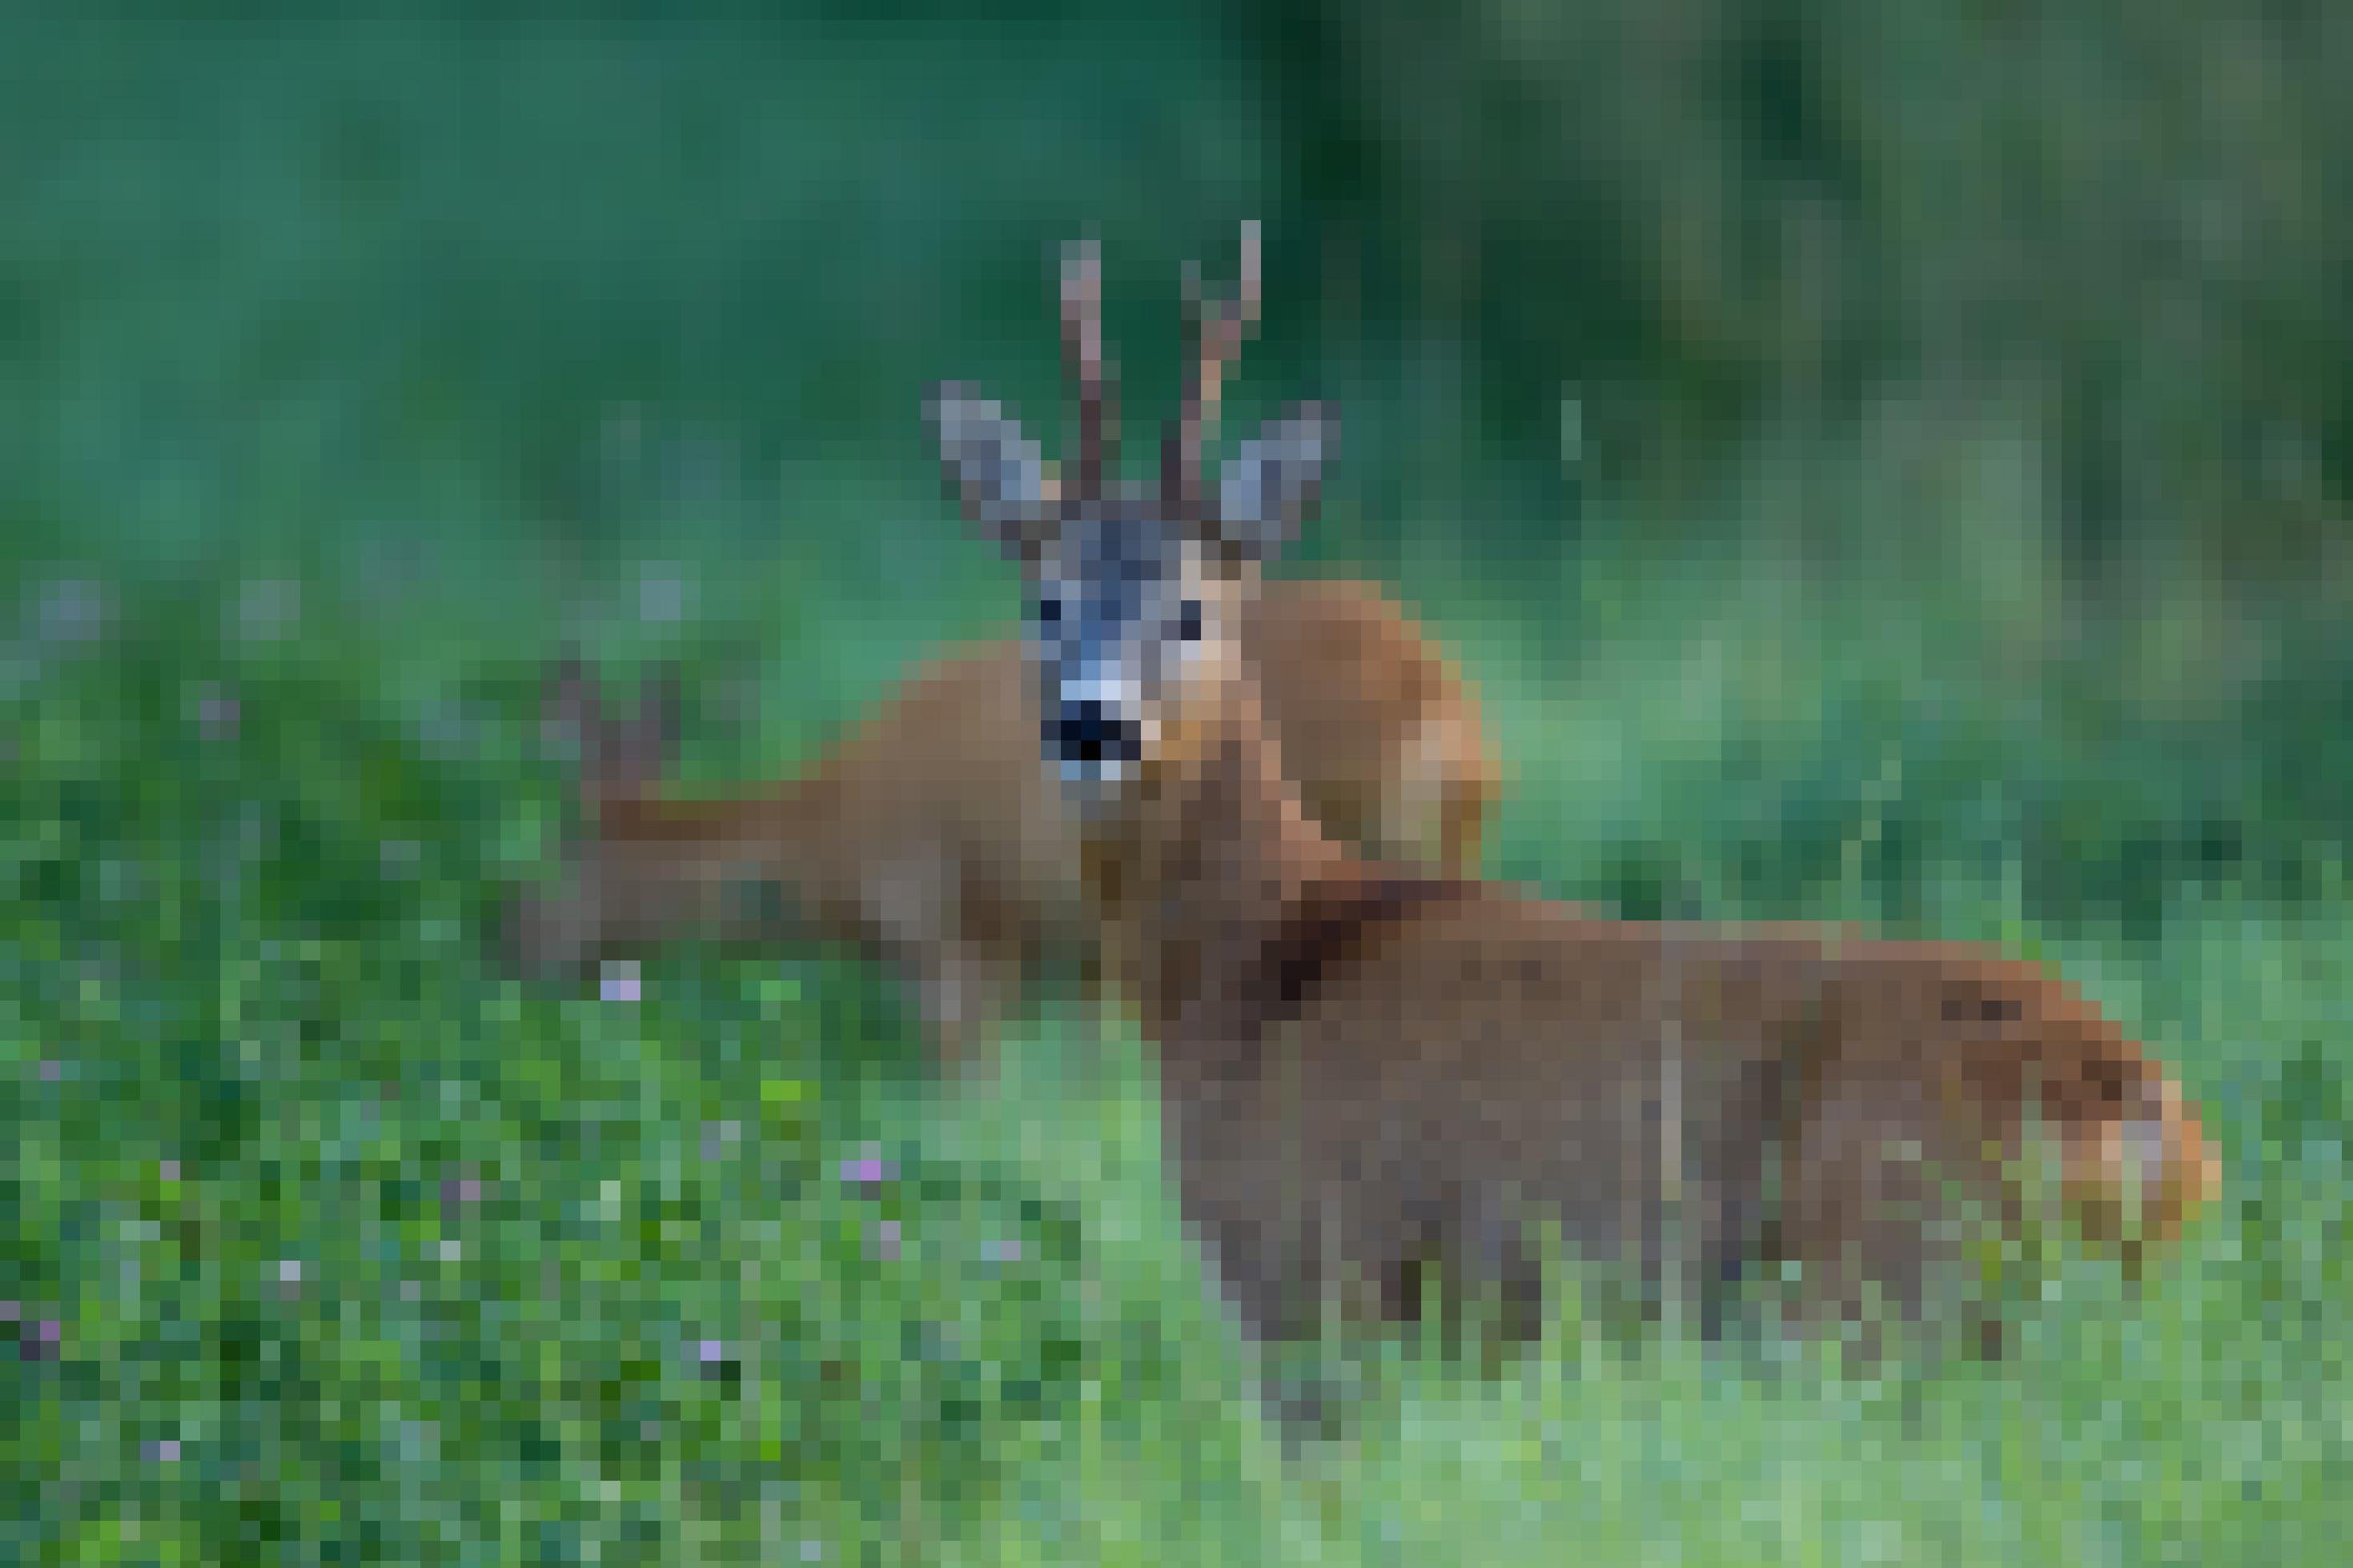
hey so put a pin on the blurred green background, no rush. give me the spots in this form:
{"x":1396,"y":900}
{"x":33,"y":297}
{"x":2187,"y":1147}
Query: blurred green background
{"x":1877,"y":460}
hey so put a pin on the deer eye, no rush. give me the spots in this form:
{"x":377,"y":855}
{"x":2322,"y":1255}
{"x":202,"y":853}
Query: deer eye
{"x":1189,"y":621}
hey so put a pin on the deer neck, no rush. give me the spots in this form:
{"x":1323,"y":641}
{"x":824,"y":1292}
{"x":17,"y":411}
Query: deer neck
{"x":1203,"y":874}
{"x":727,"y":826}
{"x":678,"y":863}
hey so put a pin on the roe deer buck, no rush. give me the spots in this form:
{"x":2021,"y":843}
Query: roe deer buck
{"x":1369,"y":1069}
{"x":931,"y":835}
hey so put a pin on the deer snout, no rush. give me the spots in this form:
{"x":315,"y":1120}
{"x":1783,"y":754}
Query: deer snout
{"x":1094,"y":729}
{"x":544,"y":933}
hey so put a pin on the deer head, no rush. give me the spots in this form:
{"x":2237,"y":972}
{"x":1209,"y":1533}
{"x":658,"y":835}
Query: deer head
{"x":1131,"y":589}
{"x":550,"y":929}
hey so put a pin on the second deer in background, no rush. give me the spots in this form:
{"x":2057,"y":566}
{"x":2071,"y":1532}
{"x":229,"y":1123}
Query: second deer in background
{"x":930,"y":837}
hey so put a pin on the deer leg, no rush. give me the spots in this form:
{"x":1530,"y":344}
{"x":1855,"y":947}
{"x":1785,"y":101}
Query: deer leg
{"x":1498,"y":1271}
{"x":1875,"y":1224}
{"x":963,"y":985}
{"x":549,"y":931}
{"x":961,"y":991}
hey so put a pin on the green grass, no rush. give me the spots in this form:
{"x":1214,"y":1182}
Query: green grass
{"x":254,"y":1058}
{"x":325,"y":1242}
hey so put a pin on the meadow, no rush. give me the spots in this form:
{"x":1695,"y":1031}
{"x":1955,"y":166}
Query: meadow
{"x":348,"y":375}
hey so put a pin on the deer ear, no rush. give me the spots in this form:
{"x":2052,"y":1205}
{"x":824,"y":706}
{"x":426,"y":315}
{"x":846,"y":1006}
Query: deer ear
{"x":660,"y":707}
{"x":568,"y":695}
{"x":997,"y":474}
{"x":1270,"y":483}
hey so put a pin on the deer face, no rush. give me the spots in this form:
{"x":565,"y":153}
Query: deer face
{"x":1131,"y":590}
{"x":1122,"y":621}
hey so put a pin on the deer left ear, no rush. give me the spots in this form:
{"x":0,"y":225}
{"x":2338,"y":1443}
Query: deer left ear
{"x":998,"y":474}
{"x":568,"y":698}
{"x":660,"y":726}
{"x":1271,"y":484}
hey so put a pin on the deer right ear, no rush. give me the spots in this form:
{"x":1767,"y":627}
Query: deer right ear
{"x":1271,"y":484}
{"x":998,"y":474}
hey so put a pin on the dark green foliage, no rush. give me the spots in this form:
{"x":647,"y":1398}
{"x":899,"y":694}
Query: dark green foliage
{"x":1712,"y":215}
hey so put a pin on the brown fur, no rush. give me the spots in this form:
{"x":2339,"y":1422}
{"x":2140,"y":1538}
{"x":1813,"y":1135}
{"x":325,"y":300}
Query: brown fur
{"x":931,"y":835}
{"x":1366,"y":1069}
{"x":1466,"y":1059}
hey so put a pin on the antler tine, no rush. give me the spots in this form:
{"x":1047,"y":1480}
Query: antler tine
{"x":1219,"y":329}
{"x":1224,"y":329}
{"x":1082,"y":345}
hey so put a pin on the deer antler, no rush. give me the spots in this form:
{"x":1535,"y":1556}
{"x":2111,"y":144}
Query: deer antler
{"x":1217,"y":330}
{"x":1082,"y":346}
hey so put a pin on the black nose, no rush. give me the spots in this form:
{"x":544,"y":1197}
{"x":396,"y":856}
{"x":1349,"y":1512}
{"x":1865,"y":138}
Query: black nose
{"x":1092,"y":733}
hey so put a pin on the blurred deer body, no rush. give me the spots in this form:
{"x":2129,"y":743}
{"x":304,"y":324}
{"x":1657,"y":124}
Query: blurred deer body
{"x":929,"y":853}
{"x":929,"y":836}
{"x":1370,"y":1069}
